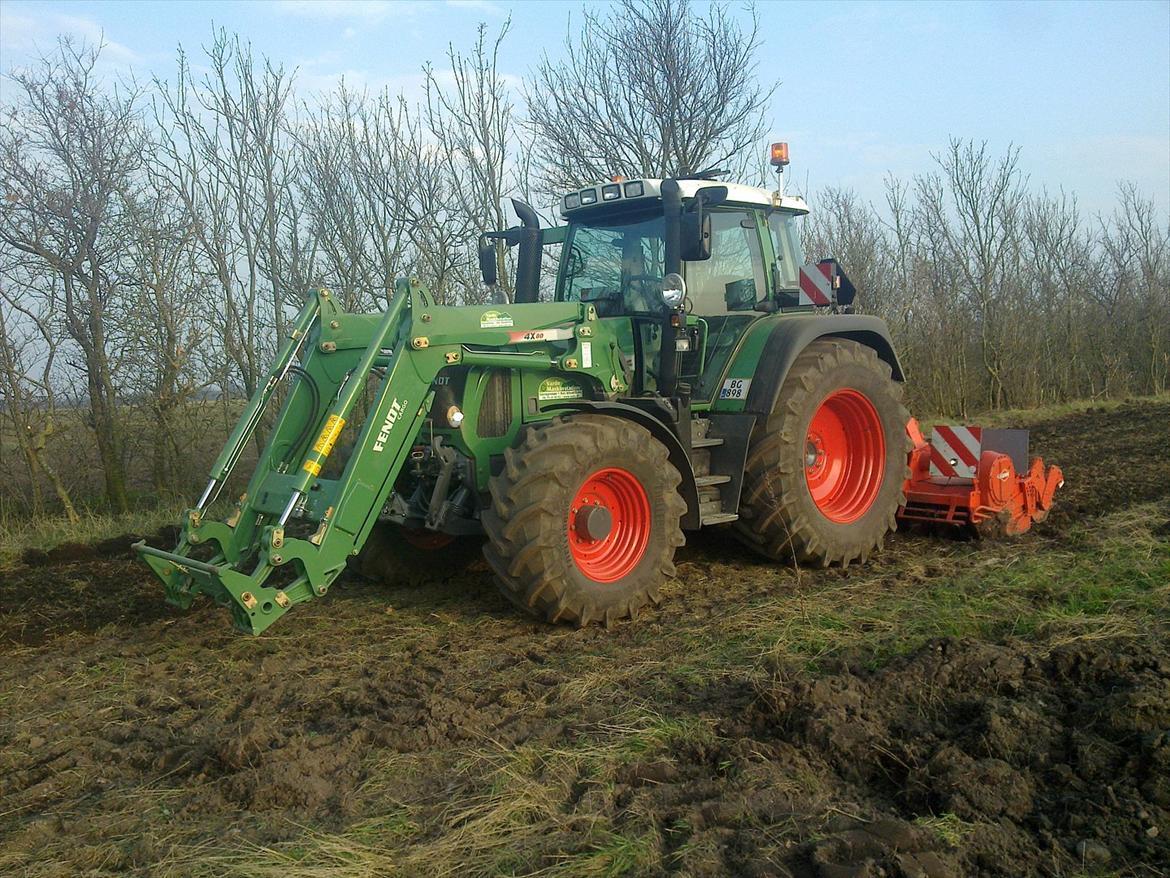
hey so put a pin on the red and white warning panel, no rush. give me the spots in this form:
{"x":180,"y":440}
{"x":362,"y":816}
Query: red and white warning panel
{"x":970,"y":476}
{"x":954,"y":451}
{"x":816,"y":284}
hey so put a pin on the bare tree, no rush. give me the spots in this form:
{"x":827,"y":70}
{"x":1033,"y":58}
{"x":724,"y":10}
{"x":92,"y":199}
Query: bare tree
{"x":227,"y":159}
{"x":166,"y":329}
{"x":980,"y":228}
{"x":474,"y":124}
{"x":649,"y":88}
{"x":71,"y":152}
{"x":28,"y":401}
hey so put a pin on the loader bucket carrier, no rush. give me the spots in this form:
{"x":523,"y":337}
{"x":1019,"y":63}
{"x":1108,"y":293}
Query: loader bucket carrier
{"x":689,"y":371}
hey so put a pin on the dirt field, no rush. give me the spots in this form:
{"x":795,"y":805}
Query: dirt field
{"x":952,"y":708}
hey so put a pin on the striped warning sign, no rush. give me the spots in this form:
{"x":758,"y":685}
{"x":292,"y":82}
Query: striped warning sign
{"x":954,"y":451}
{"x":816,"y":287}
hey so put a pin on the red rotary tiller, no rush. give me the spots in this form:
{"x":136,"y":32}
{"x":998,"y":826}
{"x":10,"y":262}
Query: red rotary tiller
{"x":978,"y":478}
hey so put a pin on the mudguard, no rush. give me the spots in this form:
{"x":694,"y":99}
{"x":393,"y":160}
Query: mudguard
{"x":660,"y":431}
{"x":791,"y":334}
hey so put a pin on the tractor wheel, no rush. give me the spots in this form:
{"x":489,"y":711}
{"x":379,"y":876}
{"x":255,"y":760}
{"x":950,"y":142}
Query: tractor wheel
{"x":584,"y":520}
{"x":825,"y":472}
{"x":397,"y":555}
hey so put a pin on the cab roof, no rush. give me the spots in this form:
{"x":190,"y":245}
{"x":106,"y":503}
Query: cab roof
{"x":629,"y":193}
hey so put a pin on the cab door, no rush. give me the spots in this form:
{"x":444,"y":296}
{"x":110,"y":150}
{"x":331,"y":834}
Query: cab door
{"x":724,"y":292}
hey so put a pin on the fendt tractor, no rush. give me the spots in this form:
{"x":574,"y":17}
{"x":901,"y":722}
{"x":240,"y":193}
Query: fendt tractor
{"x":688,"y":372}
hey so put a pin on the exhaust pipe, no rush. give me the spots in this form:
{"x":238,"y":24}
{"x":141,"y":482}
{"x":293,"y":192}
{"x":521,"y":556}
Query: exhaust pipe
{"x":528,"y":257}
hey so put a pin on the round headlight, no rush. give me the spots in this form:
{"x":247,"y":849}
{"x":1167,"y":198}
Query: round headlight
{"x":454,"y":416}
{"x":674,"y":290}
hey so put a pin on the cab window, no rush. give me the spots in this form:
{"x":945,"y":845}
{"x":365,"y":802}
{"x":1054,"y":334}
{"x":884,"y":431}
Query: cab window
{"x":733,"y":278}
{"x":788,"y":256}
{"x":616,"y":265}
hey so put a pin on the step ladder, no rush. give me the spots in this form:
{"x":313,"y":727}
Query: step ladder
{"x":711,"y":499}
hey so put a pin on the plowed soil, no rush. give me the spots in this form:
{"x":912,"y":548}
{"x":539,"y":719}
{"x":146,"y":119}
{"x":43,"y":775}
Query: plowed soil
{"x":763,"y":721}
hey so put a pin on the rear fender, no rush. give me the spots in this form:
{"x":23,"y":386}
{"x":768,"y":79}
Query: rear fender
{"x":790,"y":335}
{"x":660,"y":431}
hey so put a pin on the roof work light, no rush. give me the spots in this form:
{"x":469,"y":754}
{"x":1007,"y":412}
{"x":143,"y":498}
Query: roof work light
{"x":779,"y":154}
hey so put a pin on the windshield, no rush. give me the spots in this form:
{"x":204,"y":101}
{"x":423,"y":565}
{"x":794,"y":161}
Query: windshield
{"x":616,"y":265}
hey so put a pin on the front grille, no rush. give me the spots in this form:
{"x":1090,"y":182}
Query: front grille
{"x":495,"y":410}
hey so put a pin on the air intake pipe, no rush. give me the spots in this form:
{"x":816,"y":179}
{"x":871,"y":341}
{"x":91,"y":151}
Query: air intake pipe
{"x":528,"y":258}
{"x":672,"y":264}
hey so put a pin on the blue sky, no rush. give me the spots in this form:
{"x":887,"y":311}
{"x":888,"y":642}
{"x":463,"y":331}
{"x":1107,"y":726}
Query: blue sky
{"x":866,"y":88}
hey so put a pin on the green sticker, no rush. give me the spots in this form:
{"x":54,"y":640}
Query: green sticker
{"x":494,"y":319}
{"x":558,"y":388}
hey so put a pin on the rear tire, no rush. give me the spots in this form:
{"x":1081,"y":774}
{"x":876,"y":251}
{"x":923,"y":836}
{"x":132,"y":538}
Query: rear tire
{"x":826,"y":470}
{"x":584,"y":520}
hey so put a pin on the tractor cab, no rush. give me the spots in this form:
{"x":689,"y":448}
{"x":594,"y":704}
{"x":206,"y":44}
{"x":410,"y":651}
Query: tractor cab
{"x":738,"y":258}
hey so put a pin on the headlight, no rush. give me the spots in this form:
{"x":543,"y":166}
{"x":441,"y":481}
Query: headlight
{"x":674,"y":290}
{"x":635,"y":189}
{"x":588,"y":196}
{"x":611,"y":192}
{"x":454,"y":416}
{"x":572,"y":202}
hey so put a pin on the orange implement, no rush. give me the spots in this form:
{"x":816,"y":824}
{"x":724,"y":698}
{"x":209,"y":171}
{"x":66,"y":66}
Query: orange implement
{"x":959,"y":478}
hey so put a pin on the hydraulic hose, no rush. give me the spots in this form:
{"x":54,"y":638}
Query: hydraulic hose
{"x":310,"y":421}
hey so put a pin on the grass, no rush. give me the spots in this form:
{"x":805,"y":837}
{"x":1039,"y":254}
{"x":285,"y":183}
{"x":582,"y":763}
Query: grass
{"x":1105,"y":577}
{"x":18,"y":533}
{"x":1015,"y":417}
{"x":950,"y":829}
{"x":507,"y":812}
{"x":553,"y":806}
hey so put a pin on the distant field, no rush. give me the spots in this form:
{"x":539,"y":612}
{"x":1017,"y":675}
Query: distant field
{"x":951,"y":708}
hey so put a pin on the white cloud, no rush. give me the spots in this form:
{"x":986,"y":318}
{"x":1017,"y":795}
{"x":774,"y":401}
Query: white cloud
{"x":374,"y":11}
{"x":27,"y":35}
{"x":478,"y":5}
{"x":341,"y":10}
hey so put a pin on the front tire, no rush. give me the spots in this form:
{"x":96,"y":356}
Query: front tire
{"x":826,"y":471}
{"x":584,"y":520}
{"x":397,"y":555}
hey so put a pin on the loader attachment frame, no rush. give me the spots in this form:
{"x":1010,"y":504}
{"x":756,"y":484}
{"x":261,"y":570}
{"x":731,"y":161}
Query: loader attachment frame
{"x":291,"y":532}
{"x":252,"y":545}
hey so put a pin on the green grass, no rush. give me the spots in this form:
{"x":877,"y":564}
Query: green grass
{"x":508,"y":810}
{"x":1015,"y":417}
{"x":19,"y":533}
{"x":1105,"y":577}
{"x":949,"y":828}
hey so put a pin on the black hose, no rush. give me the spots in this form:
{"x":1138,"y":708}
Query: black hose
{"x":311,"y":420}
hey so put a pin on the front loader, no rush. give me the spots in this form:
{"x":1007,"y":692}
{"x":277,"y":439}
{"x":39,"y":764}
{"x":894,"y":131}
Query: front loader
{"x":688,"y":372}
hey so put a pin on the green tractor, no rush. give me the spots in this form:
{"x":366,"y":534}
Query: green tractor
{"x":688,"y":372}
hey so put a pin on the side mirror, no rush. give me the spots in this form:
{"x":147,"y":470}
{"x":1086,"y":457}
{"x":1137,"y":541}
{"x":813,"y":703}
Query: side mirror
{"x":712,"y":196}
{"x":695,"y":228}
{"x":695,"y":235}
{"x":487,"y":262}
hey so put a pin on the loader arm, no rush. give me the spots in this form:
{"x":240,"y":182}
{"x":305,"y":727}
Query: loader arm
{"x":290,"y":533}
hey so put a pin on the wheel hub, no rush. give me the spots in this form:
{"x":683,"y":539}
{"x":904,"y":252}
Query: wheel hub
{"x":609,"y":524}
{"x":844,"y":456}
{"x":593,"y":522}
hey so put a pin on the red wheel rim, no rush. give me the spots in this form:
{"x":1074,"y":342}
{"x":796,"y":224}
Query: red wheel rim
{"x":609,"y":524}
{"x":428,"y":540}
{"x":845,"y":456}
